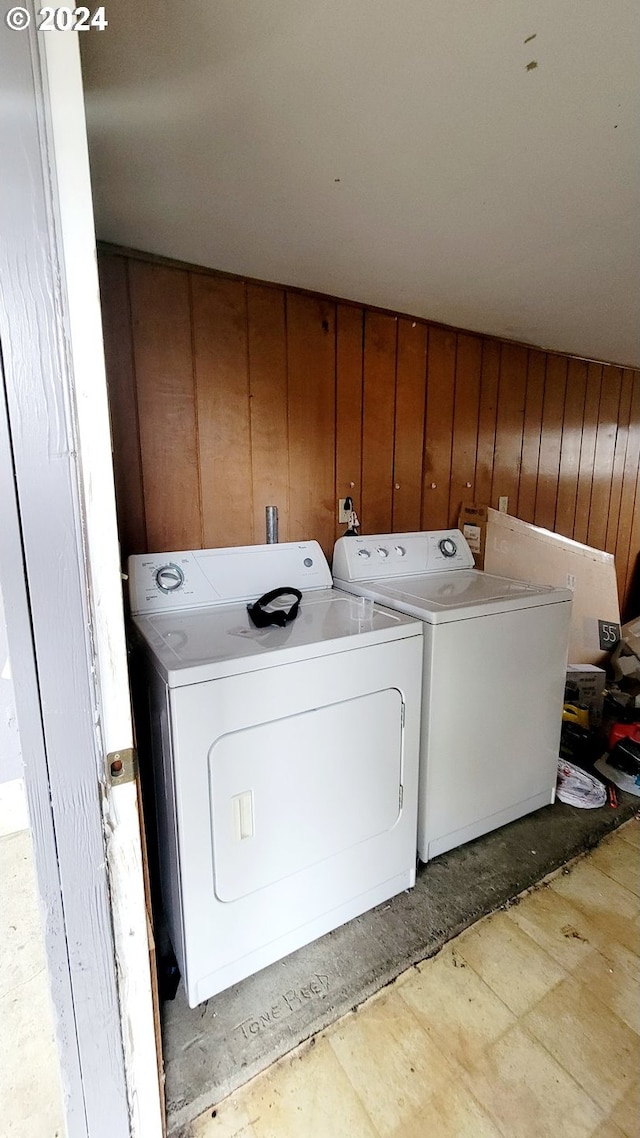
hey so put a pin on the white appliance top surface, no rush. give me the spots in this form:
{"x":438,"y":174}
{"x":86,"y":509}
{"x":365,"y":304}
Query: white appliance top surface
{"x":428,"y":576}
{"x":459,"y":589}
{"x":191,"y":646}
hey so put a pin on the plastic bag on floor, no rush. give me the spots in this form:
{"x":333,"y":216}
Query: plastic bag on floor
{"x":628,"y":782}
{"x":578,"y":788}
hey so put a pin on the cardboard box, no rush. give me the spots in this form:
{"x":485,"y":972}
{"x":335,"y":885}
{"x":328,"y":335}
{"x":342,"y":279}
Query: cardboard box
{"x":590,"y":681}
{"x":473,"y":523}
{"x":527,"y":553}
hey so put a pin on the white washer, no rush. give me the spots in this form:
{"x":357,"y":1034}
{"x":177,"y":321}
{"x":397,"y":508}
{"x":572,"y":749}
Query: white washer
{"x":285,"y":759}
{"x":495,"y":654}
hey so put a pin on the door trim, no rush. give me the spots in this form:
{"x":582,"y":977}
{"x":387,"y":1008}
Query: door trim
{"x":60,"y":565}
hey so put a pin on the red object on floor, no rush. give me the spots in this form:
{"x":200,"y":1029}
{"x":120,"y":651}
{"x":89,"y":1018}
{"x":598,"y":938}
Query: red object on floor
{"x":623,"y":731}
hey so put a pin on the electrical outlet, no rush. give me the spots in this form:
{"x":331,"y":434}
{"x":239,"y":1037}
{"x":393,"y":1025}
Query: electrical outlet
{"x":343,"y":515}
{"x":503,"y":505}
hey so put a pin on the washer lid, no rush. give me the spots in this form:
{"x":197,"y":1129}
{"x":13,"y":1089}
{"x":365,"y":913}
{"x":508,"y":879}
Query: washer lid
{"x":459,"y":595}
{"x":193,"y":646}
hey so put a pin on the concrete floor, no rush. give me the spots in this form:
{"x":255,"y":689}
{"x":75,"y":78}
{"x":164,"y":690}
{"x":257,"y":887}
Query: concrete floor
{"x":30,"y":1092}
{"x":211,"y":1050}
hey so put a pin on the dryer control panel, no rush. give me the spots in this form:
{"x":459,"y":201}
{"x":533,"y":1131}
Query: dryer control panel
{"x":368,"y":558}
{"x":197,"y":578}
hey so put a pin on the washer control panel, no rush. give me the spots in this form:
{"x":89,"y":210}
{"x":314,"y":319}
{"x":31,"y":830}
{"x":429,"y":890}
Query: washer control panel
{"x":399,"y":555}
{"x":198,"y":578}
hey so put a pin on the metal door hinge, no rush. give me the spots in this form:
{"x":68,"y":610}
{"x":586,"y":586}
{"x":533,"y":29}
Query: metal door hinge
{"x":122,"y":766}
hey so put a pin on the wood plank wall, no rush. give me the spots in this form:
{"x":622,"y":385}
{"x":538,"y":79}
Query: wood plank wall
{"x":228,"y":396}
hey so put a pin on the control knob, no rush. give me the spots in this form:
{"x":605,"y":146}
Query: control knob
{"x":447,"y":547}
{"x":169,"y":578}
{"x":364,"y":553}
{"x":382,"y":552}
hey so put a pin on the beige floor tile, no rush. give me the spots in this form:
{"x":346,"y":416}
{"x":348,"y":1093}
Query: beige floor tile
{"x":607,"y":1129}
{"x":509,"y":961}
{"x":554,"y":923}
{"x":630,"y":832}
{"x":390,"y":1060}
{"x":620,"y":861}
{"x":440,"y":1054}
{"x":308,"y":1096}
{"x":528,"y":1094}
{"x":613,"y":976}
{"x":452,"y":1113}
{"x":590,"y":1042}
{"x":228,"y":1120}
{"x":461,"y":1014}
{"x":611,"y":910}
{"x":627,"y":1113}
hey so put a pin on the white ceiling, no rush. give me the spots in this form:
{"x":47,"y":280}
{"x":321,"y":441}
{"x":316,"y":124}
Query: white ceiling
{"x":401,"y":153}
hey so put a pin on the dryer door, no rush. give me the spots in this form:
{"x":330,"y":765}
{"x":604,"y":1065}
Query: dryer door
{"x":295,"y":791}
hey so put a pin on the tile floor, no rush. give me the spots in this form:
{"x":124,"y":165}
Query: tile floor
{"x":525,"y":1026}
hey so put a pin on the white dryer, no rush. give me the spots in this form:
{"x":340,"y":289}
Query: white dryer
{"x":285,"y":758}
{"x":495,"y":653}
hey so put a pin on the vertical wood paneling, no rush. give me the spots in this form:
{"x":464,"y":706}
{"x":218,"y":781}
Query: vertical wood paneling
{"x":536,"y":372}
{"x":268,"y":407}
{"x":509,"y":424}
{"x":299,"y":396}
{"x":161,"y":319}
{"x":409,"y":429}
{"x":619,"y":455}
{"x":379,"y":392}
{"x":441,"y":373}
{"x":630,"y":597}
{"x":570,"y":447}
{"x":604,"y":452}
{"x":349,"y":332}
{"x":489,"y":381}
{"x":123,"y":404}
{"x":626,"y":546}
{"x":222,"y":393}
{"x":465,"y":423}
{"x":312,"y":408}
{"x":551,"y":441}
{"x":587,"y":451}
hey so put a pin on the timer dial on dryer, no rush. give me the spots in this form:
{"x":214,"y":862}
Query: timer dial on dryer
{"x":447,"y":547}
{"x":169,"y":578}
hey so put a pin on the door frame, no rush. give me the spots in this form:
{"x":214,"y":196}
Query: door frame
{"x":59,"y":565}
